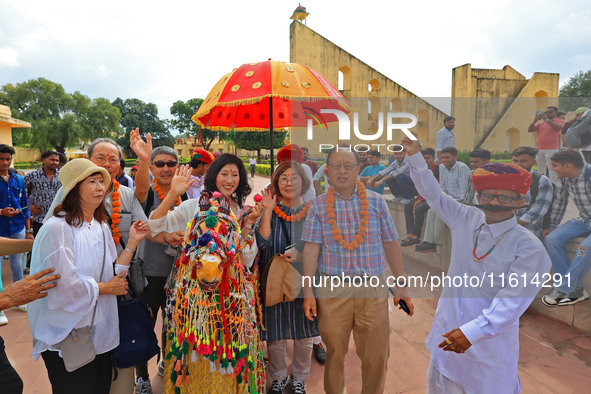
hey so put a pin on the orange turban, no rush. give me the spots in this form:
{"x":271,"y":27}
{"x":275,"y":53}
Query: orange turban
{"x":501,"y":176}
{"x":290,"y":152}
{"x":202,"y":155}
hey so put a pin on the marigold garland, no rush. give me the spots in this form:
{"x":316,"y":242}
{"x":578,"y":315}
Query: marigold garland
{"x":291,"y":218}
{"x":336,"y":231}
{"x":161,"y":195}
{"x":116,"y":215}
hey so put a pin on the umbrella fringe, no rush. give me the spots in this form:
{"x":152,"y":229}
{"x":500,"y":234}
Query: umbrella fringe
{"x":225,"y":128}
{"x":195,"y":118}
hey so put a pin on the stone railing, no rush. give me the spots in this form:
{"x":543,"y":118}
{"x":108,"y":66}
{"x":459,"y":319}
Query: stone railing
{"x":578,"y":315}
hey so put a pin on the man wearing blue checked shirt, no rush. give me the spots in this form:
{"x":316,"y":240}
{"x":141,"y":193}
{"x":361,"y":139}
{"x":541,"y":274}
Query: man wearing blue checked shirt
{"x":454,"y":178}
{"x":445,"y":137}
{"x":539,"y":197}
{"x":574,"y":182}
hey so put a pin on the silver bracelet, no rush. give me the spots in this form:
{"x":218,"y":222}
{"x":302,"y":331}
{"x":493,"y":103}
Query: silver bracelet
{"x":129,"y":250}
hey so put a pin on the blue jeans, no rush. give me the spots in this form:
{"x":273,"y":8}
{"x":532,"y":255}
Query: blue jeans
{"x":16,"y":260}
{"x":556,"y":245}
{"x":402,"y":186}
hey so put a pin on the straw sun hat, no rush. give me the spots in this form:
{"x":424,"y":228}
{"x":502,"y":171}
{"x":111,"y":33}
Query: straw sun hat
{"x":77,"y":170}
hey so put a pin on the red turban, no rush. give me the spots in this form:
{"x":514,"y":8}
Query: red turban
{"x":290,"y":152}
{"x":202,"y":155}
{"x":216,"y":155}
{"x":501,"y":176}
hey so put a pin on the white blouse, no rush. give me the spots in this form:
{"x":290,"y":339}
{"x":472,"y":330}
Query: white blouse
{"x":181,"y":216}
{"x":76,"y":253}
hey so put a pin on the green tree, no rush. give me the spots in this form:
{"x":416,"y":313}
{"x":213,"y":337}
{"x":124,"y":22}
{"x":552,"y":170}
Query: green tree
{"x":182,"y":113}
{"x":576,"y":92}
{"x":59,"y":119}
{"x":256,"y":140}
{"x":136,"y":113}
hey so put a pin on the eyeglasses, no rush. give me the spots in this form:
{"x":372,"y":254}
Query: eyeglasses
{"x":102,"y":159}
{"x":292,"y":180}
{"x":169,"y":164}
{"x":338,"y":166}
{"x":502,"y":199}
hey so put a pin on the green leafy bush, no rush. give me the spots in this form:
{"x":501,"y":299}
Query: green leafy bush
{"x":501,"y":156}
{"x":25,"y":165}
{"x":464,"y":157}
{"x":262,"y":169}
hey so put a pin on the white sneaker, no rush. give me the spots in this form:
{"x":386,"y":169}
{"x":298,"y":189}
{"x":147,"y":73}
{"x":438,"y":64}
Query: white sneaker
{"x":22,"y":308}
{"x":576,"y":296}
{"x":553,"y":297}
{"x":3,"y":319}
{"x":161,"y":368}
{"x":143,"y":387}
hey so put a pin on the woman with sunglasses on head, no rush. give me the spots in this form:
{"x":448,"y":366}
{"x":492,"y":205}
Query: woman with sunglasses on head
{"x":78,"y":243}
{"x":281,"y":226}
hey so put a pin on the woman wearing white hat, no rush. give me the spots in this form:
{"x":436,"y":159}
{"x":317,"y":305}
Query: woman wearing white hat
{"x":77,"y":242}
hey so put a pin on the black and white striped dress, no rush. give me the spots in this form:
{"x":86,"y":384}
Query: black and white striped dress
{"x":285,"y":320}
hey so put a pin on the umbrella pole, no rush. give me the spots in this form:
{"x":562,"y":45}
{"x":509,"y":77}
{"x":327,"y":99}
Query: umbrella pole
{"x":271,"y":131}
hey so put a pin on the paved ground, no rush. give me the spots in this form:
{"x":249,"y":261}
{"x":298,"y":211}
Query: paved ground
{"x":554,"y":357}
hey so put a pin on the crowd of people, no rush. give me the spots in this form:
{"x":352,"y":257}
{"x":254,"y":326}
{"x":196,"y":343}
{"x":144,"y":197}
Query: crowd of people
{"x":207,"y":258}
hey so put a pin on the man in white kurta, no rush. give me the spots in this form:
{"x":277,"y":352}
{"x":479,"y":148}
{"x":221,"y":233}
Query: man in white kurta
{"x":474,"y":340}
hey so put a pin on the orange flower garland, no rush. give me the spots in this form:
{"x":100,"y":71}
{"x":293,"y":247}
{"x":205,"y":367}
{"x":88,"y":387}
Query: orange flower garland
{"x":116,"y":215}
{"x":292,"y":218}
{"x":161,"y":195}
{"x":332,"y":218}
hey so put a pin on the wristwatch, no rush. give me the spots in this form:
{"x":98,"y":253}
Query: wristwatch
{"x":29,"y":231}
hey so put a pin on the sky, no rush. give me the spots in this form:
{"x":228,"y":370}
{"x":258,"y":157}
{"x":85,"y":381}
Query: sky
{"x":161,"y":52}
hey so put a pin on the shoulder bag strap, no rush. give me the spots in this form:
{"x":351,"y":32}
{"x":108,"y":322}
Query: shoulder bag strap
{"x":102,"y":270}
{"x":285,"y":233}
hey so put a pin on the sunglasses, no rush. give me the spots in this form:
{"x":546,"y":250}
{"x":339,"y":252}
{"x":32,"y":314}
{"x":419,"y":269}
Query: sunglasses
{"x":169,"y":164}
{"x":488,"y":197}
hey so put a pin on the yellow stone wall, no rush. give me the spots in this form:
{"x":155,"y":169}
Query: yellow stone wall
{"x":318,"y":53}
{"x":493,"y":108}
{"x":185,"y":146}
{"x":7,"y":122}
{"x":26,"y":154}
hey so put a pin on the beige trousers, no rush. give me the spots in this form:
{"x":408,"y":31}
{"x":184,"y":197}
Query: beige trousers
{"x":368,"y":319}
{"x":300,"y":364}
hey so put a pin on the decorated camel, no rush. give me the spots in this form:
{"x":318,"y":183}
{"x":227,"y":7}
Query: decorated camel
{"x":213,"y":310}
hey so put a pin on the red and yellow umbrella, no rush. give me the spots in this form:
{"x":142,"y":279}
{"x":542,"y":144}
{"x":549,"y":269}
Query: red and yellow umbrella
{"x":269,"y":96}
{"x":265,"y":95}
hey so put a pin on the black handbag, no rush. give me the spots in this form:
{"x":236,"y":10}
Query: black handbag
{"x":138,"y":342}
{"x":136,"y":275}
